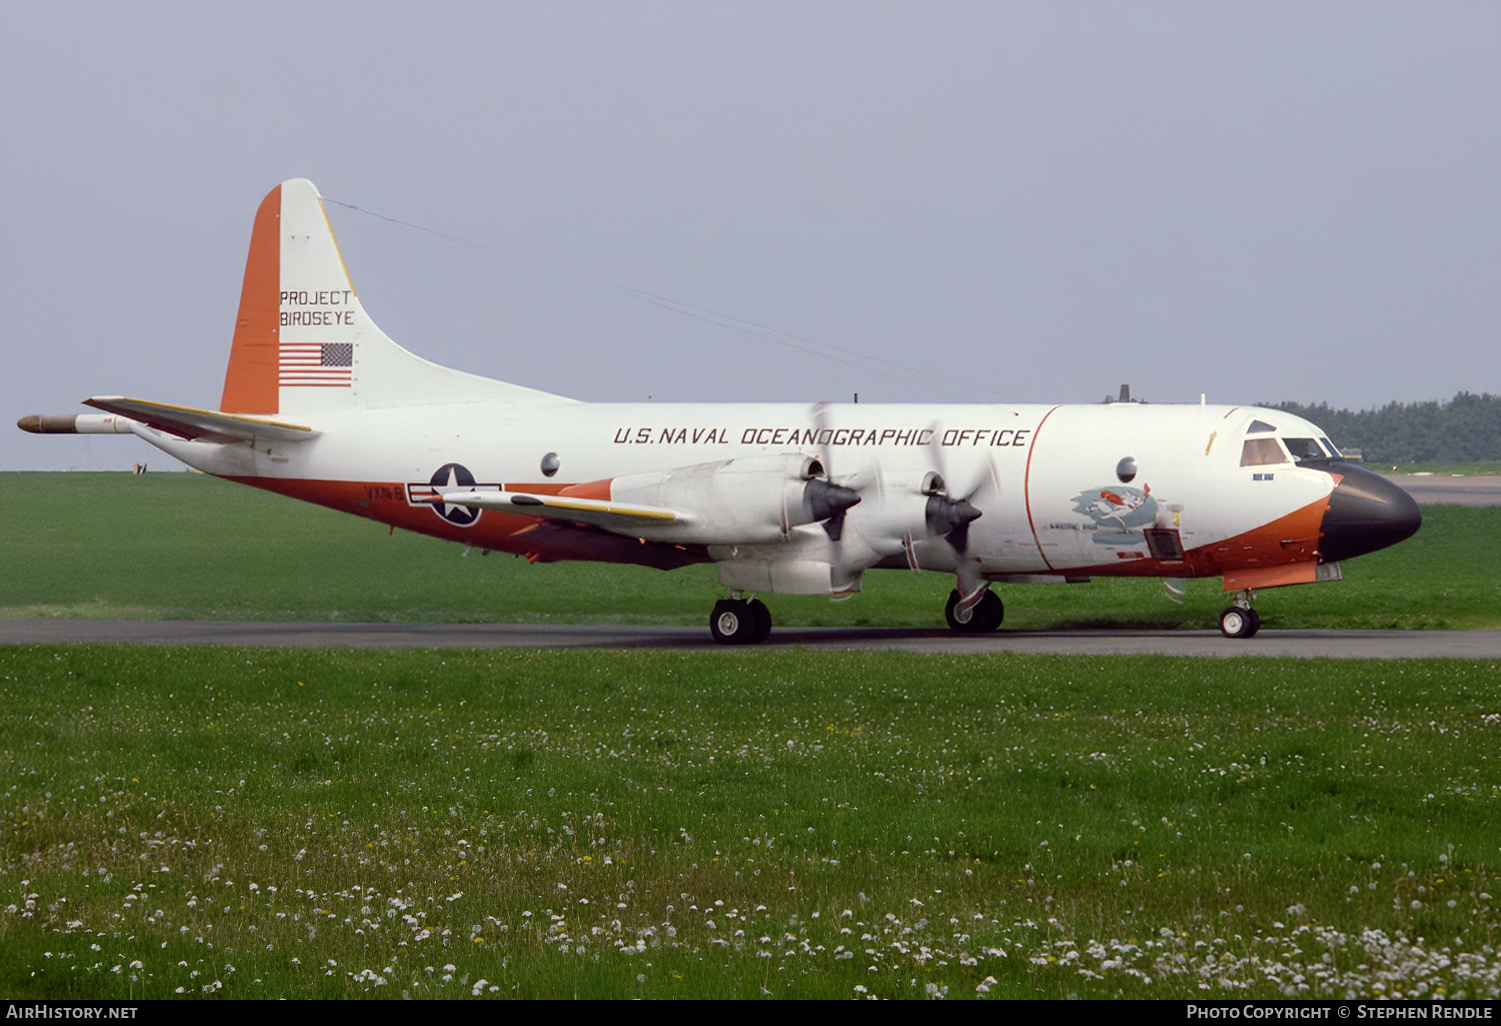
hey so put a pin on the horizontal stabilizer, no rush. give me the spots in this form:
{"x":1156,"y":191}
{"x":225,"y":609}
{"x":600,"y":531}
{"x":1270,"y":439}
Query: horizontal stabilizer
{"x":612,"y":516}
{"x":204,"y":425}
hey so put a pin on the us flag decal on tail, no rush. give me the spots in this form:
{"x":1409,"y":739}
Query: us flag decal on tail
{"x":316,"y":364}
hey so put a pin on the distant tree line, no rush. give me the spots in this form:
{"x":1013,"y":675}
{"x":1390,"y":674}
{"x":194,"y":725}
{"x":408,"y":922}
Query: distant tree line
{"x":1465,"y":429}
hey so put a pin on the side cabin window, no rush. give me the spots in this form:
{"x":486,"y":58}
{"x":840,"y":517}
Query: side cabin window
{"x":1261,"y":452}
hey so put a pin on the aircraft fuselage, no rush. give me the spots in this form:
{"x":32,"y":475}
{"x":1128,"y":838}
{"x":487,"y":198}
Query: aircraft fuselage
{"x":319,"y":404}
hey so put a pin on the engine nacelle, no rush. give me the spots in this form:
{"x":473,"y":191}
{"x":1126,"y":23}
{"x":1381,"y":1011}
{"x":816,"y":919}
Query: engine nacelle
{"x":914,"y":513}
{"x":740,"y":501}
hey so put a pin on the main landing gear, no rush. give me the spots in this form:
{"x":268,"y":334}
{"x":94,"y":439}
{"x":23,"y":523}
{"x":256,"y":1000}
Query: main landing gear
{"x":986,"y":616}
{"x":1240,"y":620}
{"x":739,"y":621}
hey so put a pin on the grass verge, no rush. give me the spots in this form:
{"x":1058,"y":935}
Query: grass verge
{"x":266,"y":823}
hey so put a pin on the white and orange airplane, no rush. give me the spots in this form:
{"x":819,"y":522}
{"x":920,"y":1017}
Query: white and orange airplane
{"x":320,"y":405}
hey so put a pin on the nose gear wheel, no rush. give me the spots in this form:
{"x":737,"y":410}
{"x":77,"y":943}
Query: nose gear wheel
{"x":1239,"y":622}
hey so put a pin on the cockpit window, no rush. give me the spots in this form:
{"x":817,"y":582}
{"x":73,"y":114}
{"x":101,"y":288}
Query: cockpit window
{"x":1304,"y":449}
{"x":1261,"y":452}
{"x":1329,"y":447}
{"x":1259,"y":425}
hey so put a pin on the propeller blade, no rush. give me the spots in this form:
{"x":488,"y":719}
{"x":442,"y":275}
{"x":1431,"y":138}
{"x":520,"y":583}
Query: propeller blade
{"x":961,"y":482}
{"x":829,"y":503}
{"x":823,"y":494}
{"x":949,"y":510}
{"x":820,"y":418}
{"x":946,"y":515}
{"x":827,"y":499}
{"x":834,"y":526}
{"x":984,"y":474}
{"x":951,"y":518}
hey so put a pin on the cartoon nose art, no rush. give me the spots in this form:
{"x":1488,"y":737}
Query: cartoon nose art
{"x":1366,"y":512}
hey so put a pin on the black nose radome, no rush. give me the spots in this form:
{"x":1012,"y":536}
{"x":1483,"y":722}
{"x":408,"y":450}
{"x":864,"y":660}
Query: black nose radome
{"x":1366,"y":512}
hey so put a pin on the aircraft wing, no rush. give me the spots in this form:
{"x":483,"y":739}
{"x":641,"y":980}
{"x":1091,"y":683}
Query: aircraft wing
{"x":208,"y":425}
{"x":621,"y":518}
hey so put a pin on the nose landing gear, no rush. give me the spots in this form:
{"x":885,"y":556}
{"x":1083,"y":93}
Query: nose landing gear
{"x":1240,"y":620}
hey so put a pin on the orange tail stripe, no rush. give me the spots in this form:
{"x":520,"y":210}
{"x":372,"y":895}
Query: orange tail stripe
{"x":250,"y":385}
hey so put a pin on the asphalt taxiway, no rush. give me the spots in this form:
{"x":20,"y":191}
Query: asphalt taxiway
{"x":1303,"y":644}
{"x":1434,"y":489}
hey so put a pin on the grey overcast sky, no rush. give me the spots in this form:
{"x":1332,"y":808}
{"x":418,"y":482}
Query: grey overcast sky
{"x":914,"y":201}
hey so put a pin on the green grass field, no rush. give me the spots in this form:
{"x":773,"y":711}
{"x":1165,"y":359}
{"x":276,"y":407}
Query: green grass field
{"x":185,"y":546}
{"x":258,"y":823}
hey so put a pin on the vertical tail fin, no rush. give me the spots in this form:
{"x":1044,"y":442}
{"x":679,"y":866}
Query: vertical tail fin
{"x":250,"y":383}
{"x":303,"y":342}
